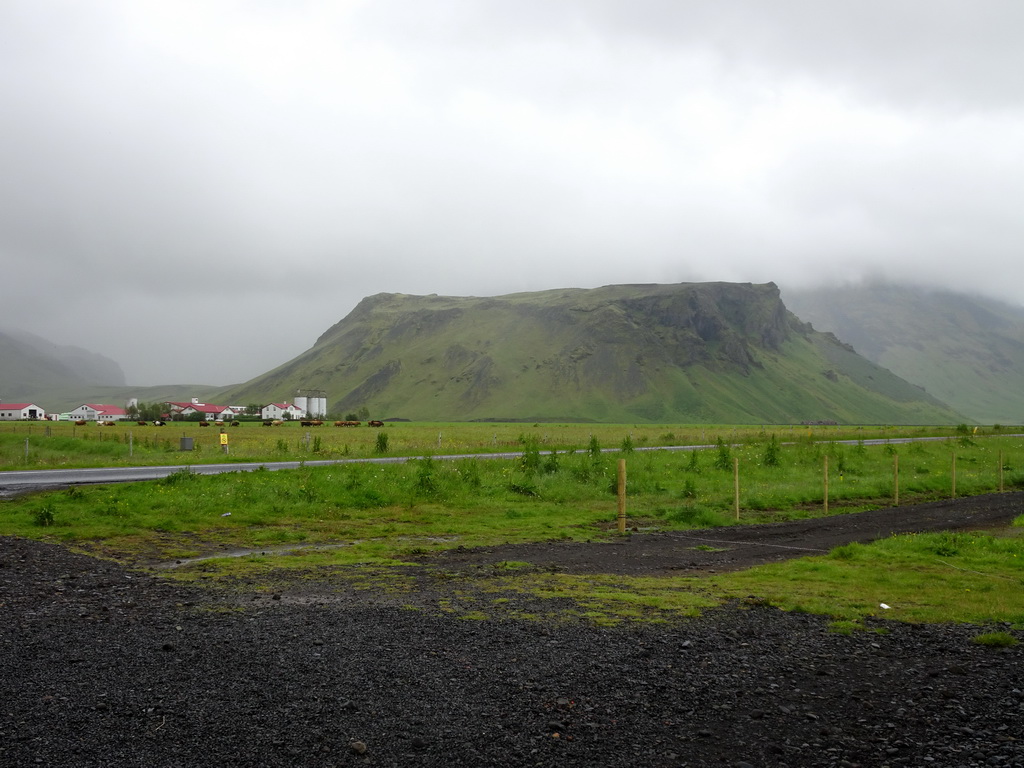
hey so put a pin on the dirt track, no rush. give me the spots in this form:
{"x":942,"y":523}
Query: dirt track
{"x":738,"y":547}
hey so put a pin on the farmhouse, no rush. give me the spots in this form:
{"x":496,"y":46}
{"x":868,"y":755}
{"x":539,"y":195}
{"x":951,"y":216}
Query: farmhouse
{"x":282,"y":411}
{"x":20,"y":411}
{"x":98,"y":412}
{"x":208,"y":412}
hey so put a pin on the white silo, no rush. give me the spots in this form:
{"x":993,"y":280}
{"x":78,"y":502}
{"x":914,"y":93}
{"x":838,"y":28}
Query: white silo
{"x":321,"y":407}
{"x":302,"y":404}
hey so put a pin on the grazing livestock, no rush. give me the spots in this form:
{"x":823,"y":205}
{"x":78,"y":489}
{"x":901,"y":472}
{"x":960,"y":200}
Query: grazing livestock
{"x":219,"y":423}
{"x":268,"y":423}
{"x":81,"y":423}
{"x":375,"y":423}
{"x":305,"y":423}
{"x":159,"y":423}
{"x":236,"y":423}
{"x":278,"y":423}
{"x":347,"y":423}
{"x":204,"y":423}
{"x":141,"y":423}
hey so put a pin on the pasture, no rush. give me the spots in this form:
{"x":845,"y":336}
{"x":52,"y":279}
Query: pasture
{"x":370,"y":519}
{"x":45,"y":445}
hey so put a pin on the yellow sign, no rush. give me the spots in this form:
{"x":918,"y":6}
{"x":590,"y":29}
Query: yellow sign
{"x":223,"y":438}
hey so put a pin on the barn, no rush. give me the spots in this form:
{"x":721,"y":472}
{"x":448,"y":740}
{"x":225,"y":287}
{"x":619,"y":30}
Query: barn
{"x":21,"y":412}
{"x":98,"y":412}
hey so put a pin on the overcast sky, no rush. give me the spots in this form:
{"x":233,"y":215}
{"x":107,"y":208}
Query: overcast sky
{"x":200,"y":189}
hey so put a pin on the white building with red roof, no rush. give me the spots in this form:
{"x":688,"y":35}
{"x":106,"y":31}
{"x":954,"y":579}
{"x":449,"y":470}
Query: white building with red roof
{"x":98,"y":412}
{"x":205,"y":410}
{"x":20,"y":411}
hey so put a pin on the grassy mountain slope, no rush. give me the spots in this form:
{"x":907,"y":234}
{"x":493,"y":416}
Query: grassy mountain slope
{"x":967,"y":351}
{"x":709,"y":352}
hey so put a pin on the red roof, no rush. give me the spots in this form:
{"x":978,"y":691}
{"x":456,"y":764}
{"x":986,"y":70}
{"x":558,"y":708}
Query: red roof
{"x":106,"y":410}
{"x":201,"y":407}
{"x":17,"y":406}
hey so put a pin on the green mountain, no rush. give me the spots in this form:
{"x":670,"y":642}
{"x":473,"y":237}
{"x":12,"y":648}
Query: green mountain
{"x":708,"y":352}
{"x":968,"y":351}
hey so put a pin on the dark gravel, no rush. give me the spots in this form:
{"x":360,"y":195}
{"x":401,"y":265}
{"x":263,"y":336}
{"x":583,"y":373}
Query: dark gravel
{"x":103,"y":666}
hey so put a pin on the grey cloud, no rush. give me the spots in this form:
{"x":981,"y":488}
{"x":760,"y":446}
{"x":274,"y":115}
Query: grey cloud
{"x":247,"y":173}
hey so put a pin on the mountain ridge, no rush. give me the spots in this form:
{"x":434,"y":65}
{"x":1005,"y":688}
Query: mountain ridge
{"x":728,"y":352}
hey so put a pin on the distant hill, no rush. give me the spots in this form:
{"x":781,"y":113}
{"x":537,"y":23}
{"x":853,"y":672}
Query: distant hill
{"x":31,"y":364}
{"x":59,"y":378}
{"x":965,"y":350}
{"x":706,"y":352}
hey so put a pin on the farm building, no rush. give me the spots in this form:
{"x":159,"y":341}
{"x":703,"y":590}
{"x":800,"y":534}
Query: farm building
{"x":98,"y":412}
{"x":207,"y":411}
{"x":20,"y":411}
{"x":282,"y":411}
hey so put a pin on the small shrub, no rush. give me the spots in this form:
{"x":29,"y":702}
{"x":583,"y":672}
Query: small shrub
{"x":627,"y":445}
{"x":551,"y":462}
{"x":180,"y":477}
{"x":524,"y":489}
{"x":697,"y":516}
{"x":43,"y":516}
{"x":772,"y":453}
{"x":382,"y":442}
{"x":847,"y":551}
{"x":689,"y":489}
{"x":723,"y":456}
{"x":947,"y":545}
{"x":426,"y":482}
{"x":469,"y":471}
{"x":995,"y":640}
{"x":694,"y":463}
{"x":529,"y":462}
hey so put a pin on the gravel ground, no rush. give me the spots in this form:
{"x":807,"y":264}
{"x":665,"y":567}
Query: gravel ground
{"x":105,"y":666}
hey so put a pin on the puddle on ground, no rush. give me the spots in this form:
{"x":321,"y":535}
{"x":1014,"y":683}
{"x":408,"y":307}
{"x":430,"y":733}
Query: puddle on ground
{"x":285,"y":549}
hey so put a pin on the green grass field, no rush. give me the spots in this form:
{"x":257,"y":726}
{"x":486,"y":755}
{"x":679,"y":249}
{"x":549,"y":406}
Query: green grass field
{"x":44,"y":445}
{"x":381,"y":515}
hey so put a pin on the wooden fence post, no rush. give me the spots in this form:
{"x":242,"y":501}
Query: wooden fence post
{"x":1000,"y":471}
{"x":953,"y":473}
{"x":736,"y":486}
{"x":825,"y":473}
{"x":622,"y":495}
{"x":896,"y":480}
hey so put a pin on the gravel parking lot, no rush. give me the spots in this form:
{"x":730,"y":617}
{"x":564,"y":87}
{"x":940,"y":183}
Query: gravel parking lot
{"x":105,"y":666}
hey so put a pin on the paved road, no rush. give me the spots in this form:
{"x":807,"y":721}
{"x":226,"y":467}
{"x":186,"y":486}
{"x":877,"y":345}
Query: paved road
{"x":16,"y":482}
{"x":13,"y":483}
